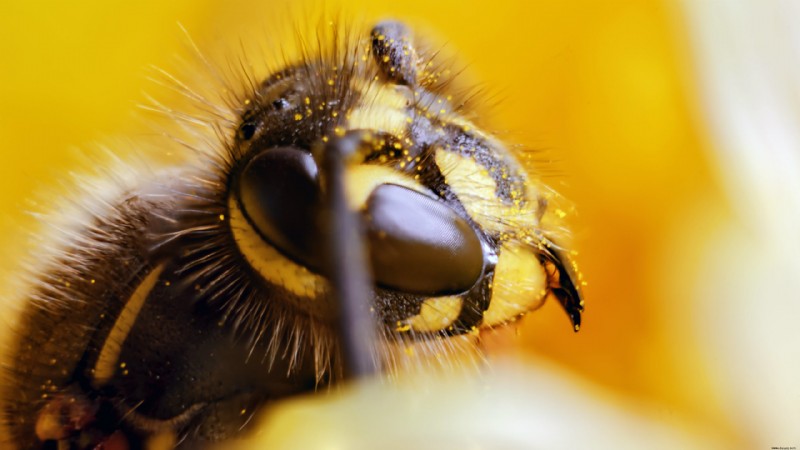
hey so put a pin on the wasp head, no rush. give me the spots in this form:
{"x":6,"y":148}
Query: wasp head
{"x":455,"y":229}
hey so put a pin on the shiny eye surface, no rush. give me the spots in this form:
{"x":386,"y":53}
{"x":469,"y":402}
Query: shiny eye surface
{"x":420,"y":245}
{"x":279,"y":193}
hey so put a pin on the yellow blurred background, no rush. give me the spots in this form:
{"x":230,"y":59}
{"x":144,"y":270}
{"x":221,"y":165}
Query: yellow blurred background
{"x":606,"y":90}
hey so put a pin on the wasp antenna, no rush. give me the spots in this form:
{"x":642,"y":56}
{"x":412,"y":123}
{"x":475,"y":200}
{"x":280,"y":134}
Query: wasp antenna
{"x":346,"y":259}
{"x":393,"y":49}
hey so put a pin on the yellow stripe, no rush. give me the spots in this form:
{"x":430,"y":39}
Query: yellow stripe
{"x":519,"y":285}
{"x":436,"y":314}
{"x":378,"y":118}
{"x":270,"y":263}
{"x":382,"y":109}
{"x":362,"y":180}
{"x":106,"y":364}
{"x":476,"y":190}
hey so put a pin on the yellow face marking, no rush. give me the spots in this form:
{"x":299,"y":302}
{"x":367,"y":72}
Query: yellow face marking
{"x":384,"y":110}
{"x":106,"y":364}
{"x":519,"y":285}
{"x":476,"y":189}
{"x":378,"y":118}
{"x":363,"y":179}
{"x":270,"y":263}
{"x":436,"y":314}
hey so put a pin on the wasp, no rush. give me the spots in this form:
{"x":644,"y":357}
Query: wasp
{"x":349,"y":204}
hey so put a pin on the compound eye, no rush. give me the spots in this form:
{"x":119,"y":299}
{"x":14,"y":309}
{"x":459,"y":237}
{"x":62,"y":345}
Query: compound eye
{"x":419,"y":245}
{"x":279,"y":194}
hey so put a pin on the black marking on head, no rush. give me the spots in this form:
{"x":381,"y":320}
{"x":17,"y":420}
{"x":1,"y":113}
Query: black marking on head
{"x":476,"y":302}
{"x":506,"y":174}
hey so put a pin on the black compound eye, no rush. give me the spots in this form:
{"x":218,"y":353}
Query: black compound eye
{"x":279,"y":194}
{"x":420,"y":245}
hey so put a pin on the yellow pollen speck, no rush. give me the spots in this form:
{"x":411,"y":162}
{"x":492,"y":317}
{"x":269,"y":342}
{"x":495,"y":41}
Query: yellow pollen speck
{"x":92,"y":281}
{"x":67,"y":284}
{"x":247,"y":102}
{"x":243,"y":412}
{"x":442,"y":111}
{"x":166,"y":283}
{"x":403,"y":327}
{"x":560,"y":213}
{"x":307,"y":100}
{"x":386,"y":58}
{"x":335,"y":114}
{"x":398,"y":145}
{"x":339,"y":131}
{"x":125,"y":372}
{"x":325,"y":139}
{"x":221,"y":217}
{"x":330,"y":81}
{"x":298,"y":116}
{"x":409,"y":350}
{"x":122,"y":365}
